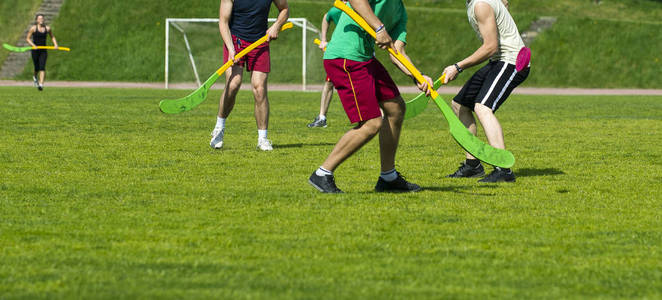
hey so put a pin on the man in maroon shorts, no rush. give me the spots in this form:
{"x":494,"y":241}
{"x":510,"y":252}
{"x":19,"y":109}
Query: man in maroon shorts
{"x":241,"y":23}
{"x":368,"y":94}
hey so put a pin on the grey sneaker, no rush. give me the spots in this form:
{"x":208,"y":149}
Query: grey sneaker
{"x":36,"y":83}
{"x":467,"y":171}
{"x":317,"y":123}
{"x":399,"y":185}
{"x":499,"y":175}
{"x":324,"y":184}
{"x":217,"y":139}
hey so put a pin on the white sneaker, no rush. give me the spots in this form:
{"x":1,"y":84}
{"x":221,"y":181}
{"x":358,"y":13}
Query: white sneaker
{"x":36,"y":83}
{"x":264,"y":144}
{"x":217,"y":139}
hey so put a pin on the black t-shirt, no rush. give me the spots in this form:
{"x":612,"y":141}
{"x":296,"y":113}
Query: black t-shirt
{"x":249,"y":19}
{"x":38,"y":37}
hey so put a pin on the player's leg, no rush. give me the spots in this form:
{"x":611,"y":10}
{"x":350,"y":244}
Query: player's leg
{"x":466,"y":116}
{"x":259,"y":83}
{"x":352,"y":141}
{"x":325,"y":100}
{"x":35,"y":63}
{"x":327,"y":95}
{"x":356,"y":89}
{"x":462,"y":105}
{"x":393,"y":108}
{"x":258,"y":62}
{"x":499,"y":90}
{"x":42,"y":69}
{"x":226,"y":103}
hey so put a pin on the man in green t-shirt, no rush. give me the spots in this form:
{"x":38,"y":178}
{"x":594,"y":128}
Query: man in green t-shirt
{"x":368,"y":94}
{"x":327,"y":91}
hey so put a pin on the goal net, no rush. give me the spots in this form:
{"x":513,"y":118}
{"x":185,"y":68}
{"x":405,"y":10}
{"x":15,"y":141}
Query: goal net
{"x":194,"y":50}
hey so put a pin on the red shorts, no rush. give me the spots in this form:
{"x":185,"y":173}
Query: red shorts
{"x":361,"y":86}
{"x":256,"y":60}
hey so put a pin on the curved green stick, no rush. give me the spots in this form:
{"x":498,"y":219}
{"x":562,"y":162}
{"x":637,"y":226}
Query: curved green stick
{"x":175,"y":106}
{"x":420,"y":103}
{"x":23,"y":49}
{"x":493,"y":156}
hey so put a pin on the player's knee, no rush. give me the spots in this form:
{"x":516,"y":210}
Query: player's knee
{"x":372,"y":126}
{"x":456,"y":107}
{"x":234,"y":84}
{"x":482,"y":109}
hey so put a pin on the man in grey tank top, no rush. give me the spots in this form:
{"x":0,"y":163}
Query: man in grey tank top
{"x":490,"y":86}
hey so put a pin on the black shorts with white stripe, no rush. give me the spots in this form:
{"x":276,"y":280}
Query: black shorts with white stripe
{"x":491,"y":85}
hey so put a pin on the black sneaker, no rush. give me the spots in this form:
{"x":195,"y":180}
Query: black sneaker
{"x":324,"y":184}
{"x":40,"y":87}
{"x":317,"y":123}
{"x":399,"y":185}
{"x":467,"y":171}
{"x":499,"y":175}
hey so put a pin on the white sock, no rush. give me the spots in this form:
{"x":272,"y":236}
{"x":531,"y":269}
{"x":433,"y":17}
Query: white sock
{"x":261,"y":133}
{"x":322,"y":117}
{"x":389,"y":175}
{"x":323,"y":172}
{"x":220,"y":123}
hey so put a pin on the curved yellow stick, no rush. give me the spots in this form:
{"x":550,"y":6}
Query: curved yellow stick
{"x":52,"y":48}
{"x":318,"y":42}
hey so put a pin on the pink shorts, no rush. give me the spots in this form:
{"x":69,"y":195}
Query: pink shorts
{"x":256,"y":60}
{"x":361,"y":86}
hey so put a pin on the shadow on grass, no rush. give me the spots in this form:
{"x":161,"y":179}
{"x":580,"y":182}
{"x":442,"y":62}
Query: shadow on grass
{"x":454,"y":189}
{"x":301,"y":145}
{"x":530,"y":172}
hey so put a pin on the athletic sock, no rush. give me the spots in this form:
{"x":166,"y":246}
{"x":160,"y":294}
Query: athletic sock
{"x":322,"y":117}
{"x":323,"y":172}
{"x":220,"y":123}
{"x":262,"y":133}
{"x":389,"y":175}
{"x":473,"y":162}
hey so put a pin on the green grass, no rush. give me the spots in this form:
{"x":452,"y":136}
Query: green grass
{"x":588,"y":46}
{"x":14,"y":18}
{"x":104,"y":197}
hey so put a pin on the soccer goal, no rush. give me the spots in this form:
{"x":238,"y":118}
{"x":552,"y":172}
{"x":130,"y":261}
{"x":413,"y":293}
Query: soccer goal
{"x":194,"y":49}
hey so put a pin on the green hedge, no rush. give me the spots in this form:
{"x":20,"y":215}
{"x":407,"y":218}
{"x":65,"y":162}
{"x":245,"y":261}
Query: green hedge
{"x":607,"y":45}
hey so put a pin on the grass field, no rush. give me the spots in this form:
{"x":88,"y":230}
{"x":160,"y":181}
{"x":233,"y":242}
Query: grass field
{"x":104,"y":197}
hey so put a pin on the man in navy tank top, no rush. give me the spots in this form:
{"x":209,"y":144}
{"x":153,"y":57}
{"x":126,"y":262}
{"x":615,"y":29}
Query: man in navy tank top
{"x":242,"y":22}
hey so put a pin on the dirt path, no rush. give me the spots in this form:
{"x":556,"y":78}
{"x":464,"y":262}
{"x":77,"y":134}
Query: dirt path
{"x":318,"y":87}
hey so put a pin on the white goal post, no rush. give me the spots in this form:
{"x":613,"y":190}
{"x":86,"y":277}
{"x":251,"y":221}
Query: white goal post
{"x":300,"y":22}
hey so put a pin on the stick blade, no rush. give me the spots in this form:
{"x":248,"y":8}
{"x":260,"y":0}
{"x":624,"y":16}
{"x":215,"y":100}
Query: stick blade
{"x":486,"y":153}
{"x":420,"y":103}
{"x":523,"y":59}
{"x":175,"y":106}
{"x":15,"y":49}
{"x":470,"y":143}
{"x":416,"y":106}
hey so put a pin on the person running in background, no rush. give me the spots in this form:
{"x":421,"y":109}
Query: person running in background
{"x":327,"y":91}
{"x":368,"y":94}
{"x":242,"y":22}
{"x":490,"y":86}
{"x":37,"y":35}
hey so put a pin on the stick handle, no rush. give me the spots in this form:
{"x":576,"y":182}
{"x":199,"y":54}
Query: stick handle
{"x":359,"y":20}
{"x":318,"y":42}
{"x":250,"y":48}
{"x":51,"y":48}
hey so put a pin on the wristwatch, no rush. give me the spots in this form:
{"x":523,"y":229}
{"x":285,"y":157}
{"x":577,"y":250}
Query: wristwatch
{"x":459,"y":70}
